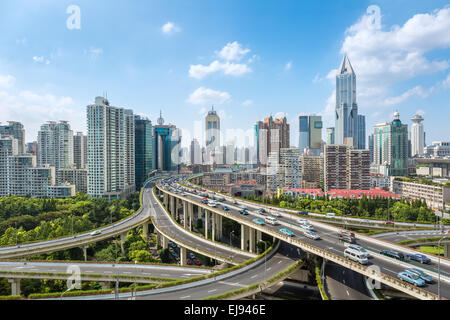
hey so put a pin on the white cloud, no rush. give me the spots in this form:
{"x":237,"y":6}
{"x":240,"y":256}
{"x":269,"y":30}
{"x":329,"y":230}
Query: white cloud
{"x":170,"y":28}
{"x":6,"y":81}
{"x":416,"y":91}
{"x":288,"y":66}
{"x":234,"y":69}
{"x":38,"y":59}
{"x":280,"y":115}
{"x":95,"y":52}
{"x":203,"y":96}
{"x":22,"y":41}
{"x":233,"y":52}
{"x":33,"y":109}
{"x":247,"y":103}
{"x":446,"y":82}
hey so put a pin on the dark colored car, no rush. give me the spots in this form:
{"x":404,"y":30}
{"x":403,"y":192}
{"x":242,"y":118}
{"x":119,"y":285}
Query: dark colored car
{"x":225,"y":208}
{"x":419,"y":258}
{"x":244,"y":212}
{"x":198,"y":262}
{"x":303,"y":213}
{"x":261,"y":211}
{"x":389,"y":222}
{"x":393,"y":254}
{"x":205,"y":201}
{"x":189,"y":262}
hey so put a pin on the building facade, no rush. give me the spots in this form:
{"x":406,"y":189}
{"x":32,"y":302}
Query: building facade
{"x":80,"y":150}
{"x":417,"y":136}
{"x":143,"y":136}
{"x":17,"y":131}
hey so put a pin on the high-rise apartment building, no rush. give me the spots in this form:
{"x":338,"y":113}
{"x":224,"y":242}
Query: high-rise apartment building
{"x":349,"y":127}
{"x":390,"y":144}
{"x":55,"y":145}
{"x":80,"y":150}
{"x":330,"y":135}
{"x":143,"y":136}
{"x":311,"y":171}
{"x":111,"y":150}
{"x":271,"y":135}
{"x":196,"y":152}
{"x":16,"y":130}
{"x":417,"y":136}
{"x":290,"y":168}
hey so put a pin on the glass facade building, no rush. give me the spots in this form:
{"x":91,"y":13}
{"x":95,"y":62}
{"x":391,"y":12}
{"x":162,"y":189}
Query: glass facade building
{"x":143,"y":136}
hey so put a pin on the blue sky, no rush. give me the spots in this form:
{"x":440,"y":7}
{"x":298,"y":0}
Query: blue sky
{"x":248,"y":58}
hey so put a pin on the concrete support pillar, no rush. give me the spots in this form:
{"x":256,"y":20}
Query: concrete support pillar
{"x":447,"y":250}
{"x":182,"y":256}
{"x":185,"y":214}
{"x":220,"y":229}
{"x":190,"y":215}
{"x":123,"y":238}
{"x":84,"y":252}
{"x":15,"y":286}
{"x":206,"y":223}
{"x":145,"y":231}
{"x":166,"y":201}
{"x":164,"y":242}
{"x":258,"y":236}
{"x":213,"y":226}
{"x":252,"y":240}
{"x":158,"y":239}
{"x":244,"y":236}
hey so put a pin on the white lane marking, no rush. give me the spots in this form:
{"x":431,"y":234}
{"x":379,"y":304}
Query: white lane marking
{"x":212,"y":290}
{"x":185,"y":297}
{"x":347,"y":292}
{"x":389,"y":270}
{"x":268,"y":269}
{"x":237,"y":284}
{"x":125,"y":272}
{"x":108,"y":272}
{"x":279,"y":262}
{"x":89,"y":271}
{"x":253,"y":276}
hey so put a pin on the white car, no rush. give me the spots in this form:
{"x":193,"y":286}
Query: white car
{"x":311,"y":235}
{"x":212,"y":204}
{"x":358,"y":248}
{"x":307,"y":227}
{"x":275,"y":214}
{"x":303,"y":221}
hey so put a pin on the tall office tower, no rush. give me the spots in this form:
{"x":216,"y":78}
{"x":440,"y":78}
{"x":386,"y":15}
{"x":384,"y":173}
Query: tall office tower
{"x":417,"y":136}
{"x":230,"y":152}
{"x":290,"y":168}
{"x":212,"y":127}
{"x":390,"y":142}
{"x":166,"y":146}
{"x":111,"y":163}
{"x":143,"y":144}
{"x":31,"y":148}
{"x":371,"y":147}
{"x":271,"y":135}
{"x":310,"y":134}
{"x":196,"y":152}
{"x":55,"y":145}
{"x":80,"y":150}
{"x":330,"y":135}
{"x":16,"y":130}
{"x":8,"y":147}
{"x":361,"y":132}
{"x":348,"y":125}
{"x":358,"y":169}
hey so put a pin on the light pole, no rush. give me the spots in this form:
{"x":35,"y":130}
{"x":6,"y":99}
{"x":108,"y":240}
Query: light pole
{"x":439,"y":266}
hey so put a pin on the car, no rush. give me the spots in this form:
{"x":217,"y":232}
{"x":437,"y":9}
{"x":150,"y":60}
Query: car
{"x":261,"y":211}
{"x":393,"y":254}
{"x":389,"y":222}
{"x":271,"y":220}
{"x":225,"y":208}
{"x":244,"y":207}
{"x":205,"y":201}
{"x":258,"y":221}
{"x":419,"y":258}
{"x":235,"y":202}
{"x":244,"y":212}
{"x":302,"y":221}
{"x":358,"y":248}
{"x":275,"y":214}
{"x":212,"y":204}
{"x":311,"y":235}
{"x":188,"y":262}
{"x":421,"y":274}
{"x":287,"y":232}
{"x":307,"y":227}
{"x":96,"y":233}
{"x":411,"y":278}
{"x":197,"y":262}
{"x":220,"y":199}
{"x":303,"y":213}
{"x":355,"y":255}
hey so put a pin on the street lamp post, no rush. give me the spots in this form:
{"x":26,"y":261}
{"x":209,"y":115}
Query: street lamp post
{"x":439,"y":266}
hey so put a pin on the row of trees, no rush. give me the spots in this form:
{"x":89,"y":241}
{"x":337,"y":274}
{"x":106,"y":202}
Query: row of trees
{"x":379,"y":208}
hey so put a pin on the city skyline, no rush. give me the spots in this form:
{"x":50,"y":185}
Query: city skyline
{"x":60,"y":75}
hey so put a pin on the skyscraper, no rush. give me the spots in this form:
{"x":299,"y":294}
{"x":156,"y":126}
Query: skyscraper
{"x":17,"y":131}
{"x":348,"y":126}
{"x":330,"y":135}
{"x":80,"y":150}
{"x":417,"y":136}
{"x":111,"y":153}
{"x":55,"y":145}
{"x":166,"y":146}
{"x":310,"y":134}
{"x":196,"y":152}
{"x":271,"y":136}
{"x":143,"y":136}
{"x":390,"y":144}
